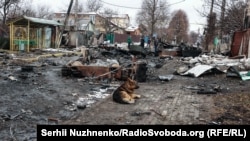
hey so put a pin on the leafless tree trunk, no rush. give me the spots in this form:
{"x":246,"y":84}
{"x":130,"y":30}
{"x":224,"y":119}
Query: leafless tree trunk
{"x":210,"y":29}
{"x":222,"y":17}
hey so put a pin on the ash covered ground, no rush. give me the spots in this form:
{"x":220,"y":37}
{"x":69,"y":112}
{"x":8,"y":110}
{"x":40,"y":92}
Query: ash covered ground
{"x":40,"y":94}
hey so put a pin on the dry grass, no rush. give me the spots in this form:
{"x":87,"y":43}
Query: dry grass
{"x":232,"y":108}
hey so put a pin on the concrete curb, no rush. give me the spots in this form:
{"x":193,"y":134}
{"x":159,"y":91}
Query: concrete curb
{"x":36,"y":58}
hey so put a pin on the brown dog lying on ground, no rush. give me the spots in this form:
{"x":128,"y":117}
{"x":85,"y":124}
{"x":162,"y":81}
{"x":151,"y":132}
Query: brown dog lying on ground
{"x":125,"y":93}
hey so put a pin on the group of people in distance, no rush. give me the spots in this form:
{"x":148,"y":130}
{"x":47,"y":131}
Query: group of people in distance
{"x":147,"y":40}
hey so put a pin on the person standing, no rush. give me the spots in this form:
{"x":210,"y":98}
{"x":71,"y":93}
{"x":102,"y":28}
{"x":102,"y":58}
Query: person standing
{"x":129,"y":41}
{"x":156,"y":45}
{"x":149,"y":42}
{"x":142,"y":41}
{"x":216,"y":47}
{"x":146,"y":40}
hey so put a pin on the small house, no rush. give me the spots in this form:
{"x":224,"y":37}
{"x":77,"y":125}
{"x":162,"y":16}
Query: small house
{"x":28,"y":33}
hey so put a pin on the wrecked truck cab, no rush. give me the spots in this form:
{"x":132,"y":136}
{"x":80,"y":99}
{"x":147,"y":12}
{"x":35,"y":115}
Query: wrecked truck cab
{"x":109,"y":72}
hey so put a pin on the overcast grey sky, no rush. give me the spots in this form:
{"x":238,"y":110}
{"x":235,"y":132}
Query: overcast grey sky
{"x":131,"y":7}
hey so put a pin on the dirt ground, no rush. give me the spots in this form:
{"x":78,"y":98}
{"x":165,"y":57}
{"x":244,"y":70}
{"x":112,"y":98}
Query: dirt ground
{"x":43,"y":96}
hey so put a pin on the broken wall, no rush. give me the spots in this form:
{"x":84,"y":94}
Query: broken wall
{"x":240,"y":43}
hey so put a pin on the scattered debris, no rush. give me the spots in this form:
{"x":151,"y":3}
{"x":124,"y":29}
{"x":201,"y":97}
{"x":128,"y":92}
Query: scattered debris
{"x":233,"y":72}
{"x":140,"y":113}
{"x":27,"y":68}
{"x":55,"y":120}
{"x":189,"y":51}
{"x":48,"y":84}
{"x":12,"y":78}
{"x":201,"y":69}
{"x":166,"y":77}
{"x":206,"y":91}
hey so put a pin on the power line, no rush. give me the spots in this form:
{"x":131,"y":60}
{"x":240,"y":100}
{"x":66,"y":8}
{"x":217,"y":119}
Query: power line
{"x":198,"y":23}
{"x":120,"y":5}
{"x":176,"y":3}
{"x":136,"y":7}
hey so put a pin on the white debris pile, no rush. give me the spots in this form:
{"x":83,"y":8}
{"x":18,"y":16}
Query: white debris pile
{"x":94,"y":96}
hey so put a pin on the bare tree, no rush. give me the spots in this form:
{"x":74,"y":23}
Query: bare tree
{"x":234,"y":17}
{"x":210,"y":30}
{"x":78,"y":6}
{"x":107,"y":20}
{"x":153,"y":14}
{"x":210,"y":6}
{"x":93,"y":5}
{"x":224,"y":17}
{"x":13,"y":12}
{"x":43,"y":11}
{"x":178,"y":27}
{"x":25,"y":7}
{"x":6,"y":6}
{"x":193,"y":36}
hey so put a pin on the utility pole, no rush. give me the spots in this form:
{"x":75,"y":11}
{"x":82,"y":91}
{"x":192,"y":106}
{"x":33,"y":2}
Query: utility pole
{"x":210,"y":29}
{"x":76,"y":14}
{"x":247,"y":15}
{"x":222,"y":17}
{"x":211,"y":8}
{"x":65,"y":23}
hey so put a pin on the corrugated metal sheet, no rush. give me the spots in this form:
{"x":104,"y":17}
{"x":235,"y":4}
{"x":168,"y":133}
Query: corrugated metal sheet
{"x":35,"y":21}
{"x":42,"y":21}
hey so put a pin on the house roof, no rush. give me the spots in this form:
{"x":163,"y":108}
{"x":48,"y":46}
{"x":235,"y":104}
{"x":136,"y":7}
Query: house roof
{"x":131,"y":29}
{"x":35,"y":22}
{"x":79,"y":13}
{"x":85,"y":21}
{"x":86,"y":24}
{"x":113,"y":25}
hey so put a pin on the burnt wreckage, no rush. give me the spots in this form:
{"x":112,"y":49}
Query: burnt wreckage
{"x":102,"y":68}
{"x":129,"y":63}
